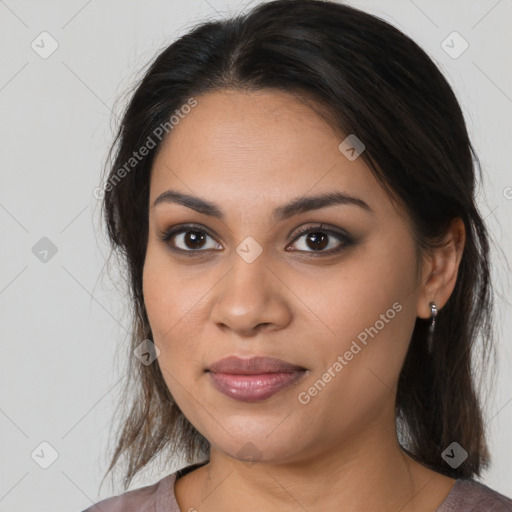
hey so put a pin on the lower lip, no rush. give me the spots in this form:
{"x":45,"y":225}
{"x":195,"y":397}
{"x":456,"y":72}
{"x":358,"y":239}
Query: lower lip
{"x":253,"y":388}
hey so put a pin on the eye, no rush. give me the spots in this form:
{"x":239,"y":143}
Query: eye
{"x":194,"y":239}
{"x":188,"y":238}
{"x":318,"y":238}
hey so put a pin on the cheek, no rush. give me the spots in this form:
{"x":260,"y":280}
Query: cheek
{"x":171,"y":294}
{"x":359,"y":369}
{"x":358,"y":294}
{"x":370,"y":311}
{"x":166,"y":303}
{"x":169,"y":303}
{"x":173,"y":300}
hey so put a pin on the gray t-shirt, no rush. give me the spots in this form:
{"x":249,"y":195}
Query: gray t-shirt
{"x":465,"y":496}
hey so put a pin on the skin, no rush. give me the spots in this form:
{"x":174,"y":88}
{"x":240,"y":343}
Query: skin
{"x":249,"y":153}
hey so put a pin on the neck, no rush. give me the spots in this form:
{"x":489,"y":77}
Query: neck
{"x":370,"y":473}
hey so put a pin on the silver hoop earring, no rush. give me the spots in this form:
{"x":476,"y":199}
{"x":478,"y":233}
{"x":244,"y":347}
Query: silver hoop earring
{"x":433,"y":316}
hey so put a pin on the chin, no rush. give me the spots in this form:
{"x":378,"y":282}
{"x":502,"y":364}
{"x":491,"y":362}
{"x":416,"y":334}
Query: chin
{"x":261,"y":443}
{"x":253,"y":452}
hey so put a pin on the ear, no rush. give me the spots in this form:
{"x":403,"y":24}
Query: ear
{"x":440,"y":270}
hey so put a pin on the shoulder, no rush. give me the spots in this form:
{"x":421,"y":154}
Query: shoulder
{"x":468,"y":495}
{"x":151,"y":498}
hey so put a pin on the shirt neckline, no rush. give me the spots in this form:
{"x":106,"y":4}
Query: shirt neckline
{"x":450,"y":496}
{"x":167,"y":499}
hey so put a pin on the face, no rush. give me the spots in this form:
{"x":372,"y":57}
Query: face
{"x":339,"y":303}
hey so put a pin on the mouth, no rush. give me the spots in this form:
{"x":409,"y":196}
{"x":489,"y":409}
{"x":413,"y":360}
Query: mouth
{"x":254,"y":379}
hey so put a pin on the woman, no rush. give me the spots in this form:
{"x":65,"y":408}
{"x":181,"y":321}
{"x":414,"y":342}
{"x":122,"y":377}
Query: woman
{"x":293,"y":194}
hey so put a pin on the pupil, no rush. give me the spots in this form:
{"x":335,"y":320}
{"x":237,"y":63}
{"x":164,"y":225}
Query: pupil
{"x":315,"y":237}
{"x":194,"y":239}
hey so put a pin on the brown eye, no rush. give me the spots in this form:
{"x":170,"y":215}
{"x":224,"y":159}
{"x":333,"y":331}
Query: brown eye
{"x":194,"y":239}
{"x":188,"y":239}
{"x":317,"y":239}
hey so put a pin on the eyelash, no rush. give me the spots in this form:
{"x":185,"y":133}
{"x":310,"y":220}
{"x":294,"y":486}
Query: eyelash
{"x":166,"y":236}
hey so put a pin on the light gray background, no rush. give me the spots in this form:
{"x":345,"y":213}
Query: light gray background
{"x":62,"y":325}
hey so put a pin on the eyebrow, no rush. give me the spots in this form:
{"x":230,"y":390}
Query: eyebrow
{"x":294,"y":207}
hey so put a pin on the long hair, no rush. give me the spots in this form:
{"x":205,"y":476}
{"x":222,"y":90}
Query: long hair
{"x":366,"y":78}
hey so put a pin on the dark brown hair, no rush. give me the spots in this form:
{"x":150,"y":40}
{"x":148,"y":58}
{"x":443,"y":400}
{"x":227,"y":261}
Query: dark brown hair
{"x":371,"y":80}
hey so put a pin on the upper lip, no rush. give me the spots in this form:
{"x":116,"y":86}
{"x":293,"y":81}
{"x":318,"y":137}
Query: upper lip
{"x":252,"y":365}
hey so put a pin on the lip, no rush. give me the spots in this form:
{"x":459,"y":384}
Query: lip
{"x":253,"y":379}
{"x":252,"y":365}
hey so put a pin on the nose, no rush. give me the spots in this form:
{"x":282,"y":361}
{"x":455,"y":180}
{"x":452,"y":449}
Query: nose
{"x":250,"y":298}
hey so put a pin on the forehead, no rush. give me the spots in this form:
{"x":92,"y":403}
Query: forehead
{"x":245,"y":147}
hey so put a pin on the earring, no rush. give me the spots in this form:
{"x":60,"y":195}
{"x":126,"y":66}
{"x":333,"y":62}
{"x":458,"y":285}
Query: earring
{"x":433,"y":315}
